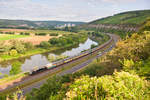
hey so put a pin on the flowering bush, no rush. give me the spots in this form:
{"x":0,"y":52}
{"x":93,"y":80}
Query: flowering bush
{"x":119,"y":86}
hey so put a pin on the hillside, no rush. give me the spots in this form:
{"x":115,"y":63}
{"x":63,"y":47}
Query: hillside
{"x":122,"y":74}
{"x":131,"y":17}
{"x":121,"y":24}
{"x":6,"y":23}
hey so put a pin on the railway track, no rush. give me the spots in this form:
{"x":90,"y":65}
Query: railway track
{"x":28,"y":81}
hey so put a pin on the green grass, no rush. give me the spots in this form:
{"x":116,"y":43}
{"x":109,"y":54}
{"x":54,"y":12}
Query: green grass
{"x":10,"y":78}
{"x":131,"y":17}
{"x":28,"y":53}
{"x":48,"y":31}
{"x":34,"y":31}
{"x":9,"y":37}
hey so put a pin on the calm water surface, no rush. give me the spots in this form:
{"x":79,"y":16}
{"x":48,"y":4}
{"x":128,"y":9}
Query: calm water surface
{"x":42,"y":59}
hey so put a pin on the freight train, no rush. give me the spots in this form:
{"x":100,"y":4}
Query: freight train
{"x":69,"y":59}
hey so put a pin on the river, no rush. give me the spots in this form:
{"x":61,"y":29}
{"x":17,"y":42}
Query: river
{"x":28,"y":63}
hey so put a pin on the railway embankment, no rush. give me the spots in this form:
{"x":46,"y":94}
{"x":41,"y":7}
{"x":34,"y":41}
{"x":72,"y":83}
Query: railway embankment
{"x":25,"y":79}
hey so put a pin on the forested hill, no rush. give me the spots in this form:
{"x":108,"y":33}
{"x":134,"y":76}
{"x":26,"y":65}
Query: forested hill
{"x":6,"y":23}
{"x":121,"y":24}
{"x":131,"y":17}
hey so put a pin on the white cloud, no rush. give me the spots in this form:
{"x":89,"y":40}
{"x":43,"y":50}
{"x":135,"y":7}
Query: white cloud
{"x":25,"y":9}
{"x":119,"y":1}
{"x":75,"y":10}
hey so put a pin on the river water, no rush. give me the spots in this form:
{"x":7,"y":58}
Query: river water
{"x":28,"y":63}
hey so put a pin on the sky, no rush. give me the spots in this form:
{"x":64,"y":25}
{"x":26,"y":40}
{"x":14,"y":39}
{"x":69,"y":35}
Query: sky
{"x":67,"y":10}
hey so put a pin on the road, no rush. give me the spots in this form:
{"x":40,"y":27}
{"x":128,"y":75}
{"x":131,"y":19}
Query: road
{"x":28,"y":88}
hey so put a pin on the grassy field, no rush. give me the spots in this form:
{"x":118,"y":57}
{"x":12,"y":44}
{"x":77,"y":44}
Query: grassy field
{"x":8,"y":37}
{"x":34,"y":39}
{"x":10,"y":78}
{"x":33,"y":31}
{"x":32,"y":52}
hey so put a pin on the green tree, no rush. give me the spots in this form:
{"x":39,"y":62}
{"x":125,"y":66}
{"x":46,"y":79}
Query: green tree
{"x":119,"y":86}
{"x":13,"y":52}
{"x":16,"y":68}
{"x":20,"y":47}
{"x":51,"y":88}
{"x":45,"y":44}
{"x":29,"y":45}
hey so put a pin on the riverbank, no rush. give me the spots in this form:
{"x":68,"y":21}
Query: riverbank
{"x":98,"y":37}
{"x":19,"y":76}
{"x":65,"y":68}
{"x":39,"y":51}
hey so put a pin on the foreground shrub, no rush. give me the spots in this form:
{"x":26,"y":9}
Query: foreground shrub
{"x":29,"y":45}
{"x":53,"y":34}
{"x":52,"y":86}
{"x":13,"y":52}
{"x":16,"y":68}
{"x":20,"y":47}
{"x":40,"y":34}
{"x":68,"y":39}
{"x":119,"y":86}
{"x":45,"y":44}
{"x":142,"y":67}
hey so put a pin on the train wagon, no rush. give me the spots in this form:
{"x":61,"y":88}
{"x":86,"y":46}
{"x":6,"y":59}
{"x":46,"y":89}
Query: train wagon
{"x":69,"y":59}
{"x":50,"y":65}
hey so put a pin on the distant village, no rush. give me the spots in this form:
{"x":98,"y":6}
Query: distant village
{"x":65,"y":25}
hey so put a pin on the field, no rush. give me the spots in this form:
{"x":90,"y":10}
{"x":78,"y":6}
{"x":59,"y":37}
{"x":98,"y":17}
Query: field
{"x":34,"y":39}
{"x":9,"y":37}
{"x":33,"y":31}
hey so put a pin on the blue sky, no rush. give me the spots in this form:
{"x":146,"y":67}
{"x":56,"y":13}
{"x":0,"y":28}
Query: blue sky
{"x":67,"y":10}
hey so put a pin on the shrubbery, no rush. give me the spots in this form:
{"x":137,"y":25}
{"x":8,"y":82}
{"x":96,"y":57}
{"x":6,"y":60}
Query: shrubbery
{"x":146,"y":26}
{"x":141,"y":67}
{"x":45,"y":45}
{"x":93,"y":46}
{"x":24,"y":33}
{"x":67,"y":39}
{"x":16,"y":68}
{"x":19,"y":46}
{"x":119,"y":86}
{"x":122,"y":33}
{"x":29,"y":46}
{"x":9,"y":33}
{"x":53,"y":34}
{"x":15,"y":47}
{"x":40,"y":34}
{"x":52,"y":86}
{"x":98,"y":36}
{"x":13,"y":52}
{"x":63,"y":41}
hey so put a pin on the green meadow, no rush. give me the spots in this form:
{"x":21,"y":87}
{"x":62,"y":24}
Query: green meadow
{"x":9,"y":37}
